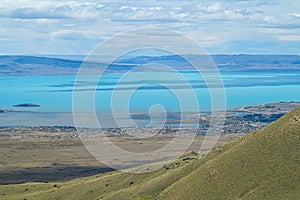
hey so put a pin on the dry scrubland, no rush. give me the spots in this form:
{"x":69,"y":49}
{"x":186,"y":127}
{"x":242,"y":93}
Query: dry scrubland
{"x":261,"y":165}
{"x":57,"y":154}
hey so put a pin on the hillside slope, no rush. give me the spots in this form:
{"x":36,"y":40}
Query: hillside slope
{"x":262,"y":165}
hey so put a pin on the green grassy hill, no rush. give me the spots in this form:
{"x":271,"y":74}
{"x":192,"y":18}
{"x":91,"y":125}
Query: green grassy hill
{"x":262,"y":165}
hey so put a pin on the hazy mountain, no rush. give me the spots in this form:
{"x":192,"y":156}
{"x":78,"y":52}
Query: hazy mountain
{"x":224,"y":62}
{"x":32,"y":65}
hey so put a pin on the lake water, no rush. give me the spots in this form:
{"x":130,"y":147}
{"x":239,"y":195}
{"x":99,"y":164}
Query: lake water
{"x":54,"y":93}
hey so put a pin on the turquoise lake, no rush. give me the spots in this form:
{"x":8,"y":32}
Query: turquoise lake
{"x":54,"y":93}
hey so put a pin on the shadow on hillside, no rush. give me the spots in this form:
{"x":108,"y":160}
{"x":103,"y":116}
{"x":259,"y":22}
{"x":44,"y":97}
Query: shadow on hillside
{"x":50,"y":174}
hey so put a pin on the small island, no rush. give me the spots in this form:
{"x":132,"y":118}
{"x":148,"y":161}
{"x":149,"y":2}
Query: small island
{"x":26,"y":105}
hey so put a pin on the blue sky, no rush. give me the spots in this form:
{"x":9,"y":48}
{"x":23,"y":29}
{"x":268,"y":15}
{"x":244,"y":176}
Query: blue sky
{"x":221,"y":27}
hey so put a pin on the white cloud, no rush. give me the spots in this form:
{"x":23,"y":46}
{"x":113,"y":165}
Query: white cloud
{"x":68,"y":25}
{"x":289,"y":37}
{"x":51,"y":10}
{"x":296,"y":15}
{"x":214,"y":8}
{"x":157,"y":13}
{"x":69,"y":35}
{"x":215,"y":24}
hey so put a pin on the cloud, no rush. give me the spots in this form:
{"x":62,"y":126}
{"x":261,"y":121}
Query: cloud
{"x":31,"y":13}
{"x":225,"y":12}
{"x":217,"y":25}
{"x":68,"y":25}
{"x":297,"y":15}
{"x":289,"y":37}
{"x":283,"y":21}
{"x":156,"y":13}
{"x":69,"y":35}
{"x":58,"y":10}
{"x":177,"y":11}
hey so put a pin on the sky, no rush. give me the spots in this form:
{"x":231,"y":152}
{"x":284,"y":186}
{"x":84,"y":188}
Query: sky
{"x":222,"y":27}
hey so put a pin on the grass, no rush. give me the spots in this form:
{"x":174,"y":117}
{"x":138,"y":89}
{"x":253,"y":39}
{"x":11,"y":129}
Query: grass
{"x":262,"y":165}
{"x":113,"y":185}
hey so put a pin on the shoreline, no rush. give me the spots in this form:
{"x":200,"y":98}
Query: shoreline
{"x":240,"y":120}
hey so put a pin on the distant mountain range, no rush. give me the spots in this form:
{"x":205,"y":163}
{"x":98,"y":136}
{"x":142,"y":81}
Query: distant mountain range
{"x":224,"y":62}
{"x":33,"y":65}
